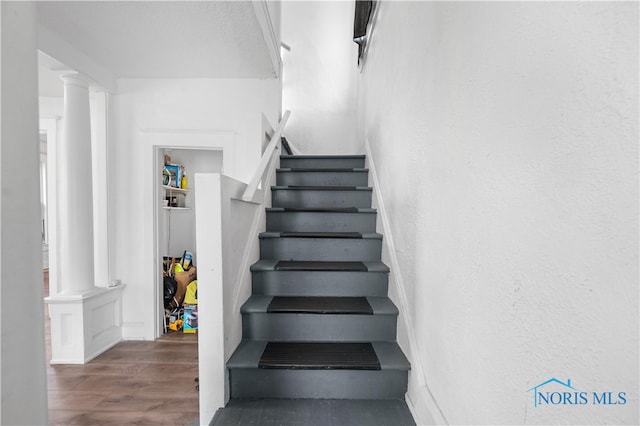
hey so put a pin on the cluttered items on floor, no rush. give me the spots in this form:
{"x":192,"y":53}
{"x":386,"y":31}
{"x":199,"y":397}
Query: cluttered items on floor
{"x":180,"y":287}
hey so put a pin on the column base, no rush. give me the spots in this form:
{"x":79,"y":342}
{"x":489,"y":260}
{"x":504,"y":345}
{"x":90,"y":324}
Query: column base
{"x":84,"y":325}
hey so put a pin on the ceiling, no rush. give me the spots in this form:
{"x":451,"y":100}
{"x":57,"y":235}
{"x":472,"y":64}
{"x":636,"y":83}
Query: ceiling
{"x":165,"y":39}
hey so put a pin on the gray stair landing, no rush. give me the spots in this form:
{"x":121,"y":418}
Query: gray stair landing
{"x":321,"y":220}
{"x":250,"y":381}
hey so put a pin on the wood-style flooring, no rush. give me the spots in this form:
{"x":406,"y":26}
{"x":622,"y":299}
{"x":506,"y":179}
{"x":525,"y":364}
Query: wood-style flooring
{"x":135,"y":382}
{"x":152,"y":383}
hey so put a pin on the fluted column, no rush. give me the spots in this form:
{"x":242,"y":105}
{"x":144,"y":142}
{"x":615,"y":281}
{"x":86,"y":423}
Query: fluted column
{"x":76,"y":258}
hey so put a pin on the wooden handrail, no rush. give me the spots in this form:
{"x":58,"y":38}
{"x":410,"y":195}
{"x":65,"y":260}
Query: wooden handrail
{"x":266,"y":158}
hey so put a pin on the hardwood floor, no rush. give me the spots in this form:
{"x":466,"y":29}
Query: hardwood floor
{"x":144,"y":383}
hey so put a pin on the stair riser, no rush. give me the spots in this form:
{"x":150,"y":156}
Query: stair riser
{"x":318,"y":327}
{"x":318,"y":198}
{"x":320,"y":283}
{"x":323,"y":178}
{"x":335,"y":384}
{"x":321,"y":163}
{"x":321,"y":222}
{"x":321,"y":249}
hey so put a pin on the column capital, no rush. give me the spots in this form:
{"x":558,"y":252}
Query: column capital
{"x":76,"y":79}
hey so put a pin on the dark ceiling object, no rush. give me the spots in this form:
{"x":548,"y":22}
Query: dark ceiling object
{"x":360,"y":24}
{"x":362,"y":15}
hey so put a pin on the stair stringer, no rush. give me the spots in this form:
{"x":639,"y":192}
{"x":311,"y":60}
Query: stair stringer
{"x":216,"y":193}
{"x":252,"y":246}
{"x":420,"y":400}
{"x":241,"y":277}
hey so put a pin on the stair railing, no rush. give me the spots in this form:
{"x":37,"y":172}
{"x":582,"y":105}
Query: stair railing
{"x":228,"y":214}
{"x":272,"y":147}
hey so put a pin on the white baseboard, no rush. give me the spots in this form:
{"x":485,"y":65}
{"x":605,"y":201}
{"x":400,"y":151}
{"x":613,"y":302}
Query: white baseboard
{"x":135,"y":331}
{"x":423,"y":406}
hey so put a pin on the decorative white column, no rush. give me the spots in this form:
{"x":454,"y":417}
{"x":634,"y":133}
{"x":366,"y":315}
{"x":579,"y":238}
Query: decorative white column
{"x":75,"y":188}
{"x":86,"y":320}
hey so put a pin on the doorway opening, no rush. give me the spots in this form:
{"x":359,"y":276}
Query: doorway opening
{"x":176,"y":237}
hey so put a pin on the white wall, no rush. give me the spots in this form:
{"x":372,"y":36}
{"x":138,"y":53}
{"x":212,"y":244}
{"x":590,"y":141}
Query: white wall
{"x":227,"y":109}
{"x":505,"y":141}
{"x":320,"y":76}
{"x":51,"y":107}
{"x":22,"y":354}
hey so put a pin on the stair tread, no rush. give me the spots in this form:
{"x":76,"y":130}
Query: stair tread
{"x":322,"y":170}
{"x":342,"y":235}
{"x":314,"y":157}
{"x":322,"y":304}
{"x":321,"y":209}
{"x":313,"y":265}
{"x":270,"y":265}
{"x":319,"y":356}
{"x":320,"y":188}
{"x":249,"y":352}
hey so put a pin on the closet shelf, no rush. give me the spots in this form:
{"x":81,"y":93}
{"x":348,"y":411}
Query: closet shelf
{"x":173,"y":188}
{"x":176,"y":208}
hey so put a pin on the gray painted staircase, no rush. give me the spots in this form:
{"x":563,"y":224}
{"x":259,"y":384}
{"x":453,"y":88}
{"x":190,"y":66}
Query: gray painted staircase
{"x":319,"y":323}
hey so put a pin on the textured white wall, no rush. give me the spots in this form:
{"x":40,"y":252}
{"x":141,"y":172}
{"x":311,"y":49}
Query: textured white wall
{"x":505,"y":141}
{"x":320,"y":76}
{"x":231,"y":106}
{"x":23,"y":374}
